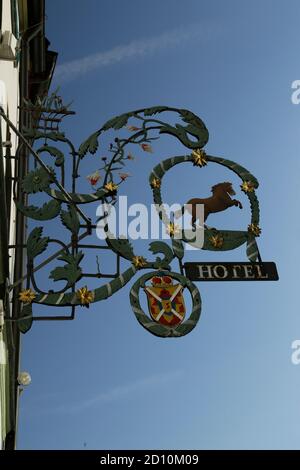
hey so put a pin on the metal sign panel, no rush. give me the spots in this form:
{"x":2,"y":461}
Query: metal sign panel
{"x":233,"y":271}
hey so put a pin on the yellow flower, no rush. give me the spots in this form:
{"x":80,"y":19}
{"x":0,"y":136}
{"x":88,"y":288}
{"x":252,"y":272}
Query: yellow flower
{"x":155,"y":183}
{"x":254,"y":228}
{"x":27,"y":296}
{"x":85,"y":296}
{"x":247,"y":186}
{"x":199,"y":157}
{"x":216,"y":241}
{"x":172,"y":229}
{"x":139,"y":261}
{"x":111,"y":186}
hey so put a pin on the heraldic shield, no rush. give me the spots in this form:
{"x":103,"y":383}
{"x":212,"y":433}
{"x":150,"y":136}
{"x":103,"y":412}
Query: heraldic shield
{"x":165,"y":301}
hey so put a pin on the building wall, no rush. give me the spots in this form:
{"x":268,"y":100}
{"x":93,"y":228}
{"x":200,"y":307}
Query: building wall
{"x":9,"y":100}
{"x":26,"y":68}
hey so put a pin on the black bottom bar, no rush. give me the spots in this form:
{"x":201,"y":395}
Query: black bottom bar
{"x":134,"y":458}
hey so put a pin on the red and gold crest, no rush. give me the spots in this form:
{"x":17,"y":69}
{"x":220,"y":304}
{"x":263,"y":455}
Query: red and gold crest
{"x":165,"y":301}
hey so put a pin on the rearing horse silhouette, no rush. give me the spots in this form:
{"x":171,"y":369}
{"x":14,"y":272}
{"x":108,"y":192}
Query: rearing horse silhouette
{"x":219,"y":201}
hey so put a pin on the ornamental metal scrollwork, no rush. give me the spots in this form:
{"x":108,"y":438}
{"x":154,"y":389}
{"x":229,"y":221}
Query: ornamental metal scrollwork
{"x":228,"y":239}
{"x":50,"y":181}
{"x":163,"y":300}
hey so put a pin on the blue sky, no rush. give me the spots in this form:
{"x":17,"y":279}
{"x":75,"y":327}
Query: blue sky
{"x":104,"y":382}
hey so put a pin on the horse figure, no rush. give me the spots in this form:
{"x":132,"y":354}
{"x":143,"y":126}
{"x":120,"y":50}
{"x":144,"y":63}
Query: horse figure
{"x":219,"y":201}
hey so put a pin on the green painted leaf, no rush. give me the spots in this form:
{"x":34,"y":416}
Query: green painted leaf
{"x":155,"y":110}
{"x":117,"y":122}
{"x":195,"y":128}
{"x":70,"y":219}
{"x":48,"y":211}
{"x":161,"y":247}
{"x":71,"y":271}
{"x":36,"y":244}
{"x":89,"y":145}
{"x":254,"y":208}
{"x":121,"y":246}
{"x":55,"y":152}
{"x":24,"y":324}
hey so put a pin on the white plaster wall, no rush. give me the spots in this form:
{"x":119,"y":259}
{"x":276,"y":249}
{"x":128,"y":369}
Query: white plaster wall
{"x":9,"y":99}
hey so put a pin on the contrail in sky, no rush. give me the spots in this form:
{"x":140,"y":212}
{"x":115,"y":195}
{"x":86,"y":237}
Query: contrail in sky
{"x":136,"y":49}
{"x":122,"y":391}
{"x":116,"y":393}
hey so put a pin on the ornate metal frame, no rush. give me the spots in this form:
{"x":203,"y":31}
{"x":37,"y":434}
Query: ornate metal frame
{"x":69,"y":205}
